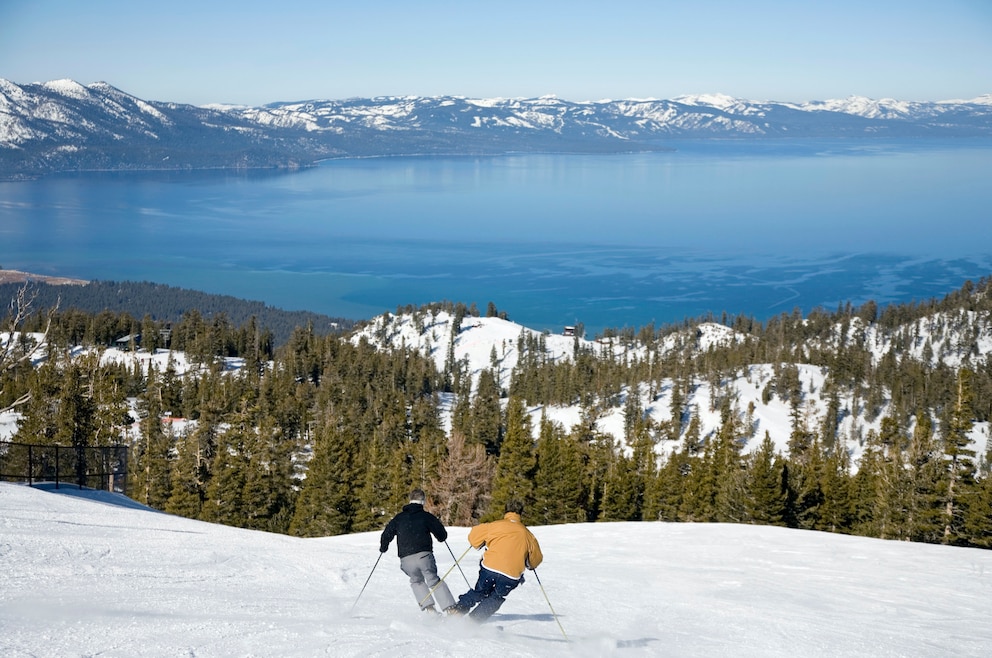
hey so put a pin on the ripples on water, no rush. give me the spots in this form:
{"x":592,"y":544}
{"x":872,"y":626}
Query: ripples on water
{"x":609,"y":241}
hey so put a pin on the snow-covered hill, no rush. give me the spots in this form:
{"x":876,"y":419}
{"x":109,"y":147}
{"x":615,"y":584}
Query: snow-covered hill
{"x":63,"y":125}
{"x":494,"y":343}
{"x":959,"y":339}
{"x":94,"y":574}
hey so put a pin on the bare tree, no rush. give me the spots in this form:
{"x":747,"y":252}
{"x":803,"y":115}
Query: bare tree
{"x":15,"y":347}
{"x":463,"y":486}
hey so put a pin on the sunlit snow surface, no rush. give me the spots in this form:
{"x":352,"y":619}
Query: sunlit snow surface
{"x":103,"y":577}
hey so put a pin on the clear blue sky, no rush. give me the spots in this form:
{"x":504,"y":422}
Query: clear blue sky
{"x":255,"y":52}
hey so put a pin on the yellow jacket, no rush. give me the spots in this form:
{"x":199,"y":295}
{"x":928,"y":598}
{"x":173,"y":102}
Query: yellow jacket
{"x":510,"y":546}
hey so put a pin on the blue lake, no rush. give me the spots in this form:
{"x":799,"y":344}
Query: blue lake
{"x":606,"y":240}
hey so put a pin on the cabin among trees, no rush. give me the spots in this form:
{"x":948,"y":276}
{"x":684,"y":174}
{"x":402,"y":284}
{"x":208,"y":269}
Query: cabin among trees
{"x":132,"y":342}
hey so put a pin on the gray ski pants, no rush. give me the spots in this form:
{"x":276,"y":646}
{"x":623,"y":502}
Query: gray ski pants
{"x":422,"y":570}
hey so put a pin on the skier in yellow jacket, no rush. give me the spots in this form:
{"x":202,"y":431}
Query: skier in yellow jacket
{"x":510,"y":548}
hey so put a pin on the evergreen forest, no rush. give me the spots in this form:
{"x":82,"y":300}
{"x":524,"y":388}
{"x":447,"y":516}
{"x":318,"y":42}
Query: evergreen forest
{"x":326,"y":432}
{"x":123,"y":305}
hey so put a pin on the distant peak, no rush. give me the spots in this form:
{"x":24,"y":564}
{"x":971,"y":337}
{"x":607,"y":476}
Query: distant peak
{"x":67,"y":87}
{"x":984,"y":99}
{"x":712,"y":100}
{"x":105,"y":87}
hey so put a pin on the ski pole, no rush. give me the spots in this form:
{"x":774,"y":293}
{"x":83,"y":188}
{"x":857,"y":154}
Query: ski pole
{"x":459,"y":566}
{"x":438,"y":583}
{"x":553,"y":614}
{"x":366,"y":583}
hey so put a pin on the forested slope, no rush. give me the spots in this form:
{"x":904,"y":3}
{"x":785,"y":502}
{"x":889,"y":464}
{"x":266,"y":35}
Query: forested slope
{"x":870,"y":421}
{"x":168,"y":304}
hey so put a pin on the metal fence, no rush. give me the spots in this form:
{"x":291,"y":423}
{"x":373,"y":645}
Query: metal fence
{"x":92,"y":467}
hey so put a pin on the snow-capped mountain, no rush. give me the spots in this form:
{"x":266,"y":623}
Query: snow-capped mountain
{"x":66,"y":126}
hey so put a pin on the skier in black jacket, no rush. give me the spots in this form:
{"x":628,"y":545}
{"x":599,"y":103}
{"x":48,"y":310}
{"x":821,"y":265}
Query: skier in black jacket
{"x":413,"y":528}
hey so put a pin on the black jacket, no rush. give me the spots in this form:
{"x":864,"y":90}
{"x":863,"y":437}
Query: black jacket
{"x":412,"y":528}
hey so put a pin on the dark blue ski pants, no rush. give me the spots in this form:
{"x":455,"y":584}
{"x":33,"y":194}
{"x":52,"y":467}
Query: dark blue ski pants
{"x":489,"y":593}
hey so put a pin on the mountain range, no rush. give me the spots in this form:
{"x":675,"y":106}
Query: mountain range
{"x":65,"y":126}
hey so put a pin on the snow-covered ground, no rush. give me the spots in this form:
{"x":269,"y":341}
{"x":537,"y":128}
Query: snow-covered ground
{"x":94,"y":574}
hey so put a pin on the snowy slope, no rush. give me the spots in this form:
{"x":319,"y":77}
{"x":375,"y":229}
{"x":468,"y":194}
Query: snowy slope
{"x":102,"y":577}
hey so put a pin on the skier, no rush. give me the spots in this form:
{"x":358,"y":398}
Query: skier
{"x":413,"y":528}
{"x":510,"y":548}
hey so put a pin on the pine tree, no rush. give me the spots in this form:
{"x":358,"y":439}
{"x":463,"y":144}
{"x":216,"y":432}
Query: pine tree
{"x":151,"y":453}
{"x":106,"y":387}
{"x":76,"y":419}
{"x":805,"y":489}
{"x":977,"y":524}
{"x":836,"y":510}
{"x":677,"y":409}
{"x":926,"y":472}
{"x":693,"y":440}
{"x":597,"y":452}
{"x":485,"y":426}
{"x":699,"y":493}
{"x":728,"y":469}
{"x":831,"y":420}
{"x":225,"y":493}
{"x":374,"y":502}
{"x":268,"y":492}
{"x":622,"y":491}
{"x":326,"y":503}
{"x":895,"y":482}
{"x":960,"y":468}
{"x":664,"y":493}
{"x":869,"y":490}
{"x":188,"y":491}
{"x":386,"y":454}
{"x":461,"y":415}
{"x":38,"y":422}
{"x":766,"y":492}
{"x":514,"y":477}
{"x":429,"y":441}
{"x":633,"y":413}
{"x":801,"y":437}
{"x":558,"y":486}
